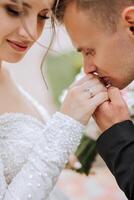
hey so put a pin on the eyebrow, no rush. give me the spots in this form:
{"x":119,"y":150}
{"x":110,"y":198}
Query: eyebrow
{"x":24,"y":4}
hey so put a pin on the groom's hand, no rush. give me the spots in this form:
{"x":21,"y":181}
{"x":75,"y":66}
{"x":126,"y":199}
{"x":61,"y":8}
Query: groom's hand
{"x":113,"y":111}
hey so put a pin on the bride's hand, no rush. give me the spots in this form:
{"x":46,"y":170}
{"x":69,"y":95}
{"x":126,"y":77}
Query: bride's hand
{"x":83,"y":98}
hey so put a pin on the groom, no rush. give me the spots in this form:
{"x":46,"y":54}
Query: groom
{"x":103,"y":31}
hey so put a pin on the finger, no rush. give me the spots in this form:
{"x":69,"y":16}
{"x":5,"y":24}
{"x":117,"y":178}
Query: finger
{"x":90,"y":83}
{"x":92,"y":91}
{"x":82,"y":80}
{"x":96,"y":90}
{"x":92,"y":87}
{"x":115,"y":95}
{"x":98,"y":99}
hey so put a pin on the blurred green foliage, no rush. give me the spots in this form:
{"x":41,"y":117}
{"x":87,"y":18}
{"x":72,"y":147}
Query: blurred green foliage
{"x":61,"y":70}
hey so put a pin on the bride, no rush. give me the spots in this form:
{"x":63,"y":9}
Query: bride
{"x":32,"y":151}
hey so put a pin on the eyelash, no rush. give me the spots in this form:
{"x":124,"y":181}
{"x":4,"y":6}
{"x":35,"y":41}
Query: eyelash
{"x":43,"y":17}
{"x":16,"y":13}
{"x":13,"y":12}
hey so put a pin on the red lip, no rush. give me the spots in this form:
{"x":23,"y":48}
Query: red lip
{"x":18,"y":46}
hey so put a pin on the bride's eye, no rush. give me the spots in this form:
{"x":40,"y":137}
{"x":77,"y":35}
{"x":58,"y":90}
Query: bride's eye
{"x":13,"y":11}
{"x":44,"y":15}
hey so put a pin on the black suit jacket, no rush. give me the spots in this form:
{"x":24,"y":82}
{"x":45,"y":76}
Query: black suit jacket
{"x":116,"y":147}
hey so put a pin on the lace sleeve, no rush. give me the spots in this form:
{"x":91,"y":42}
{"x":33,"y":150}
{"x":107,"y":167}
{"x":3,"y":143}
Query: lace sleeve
{"x":3,"y":185}
{"x":38,"y":176}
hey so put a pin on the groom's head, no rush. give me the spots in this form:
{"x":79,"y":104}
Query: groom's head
{"x":103,"y":31}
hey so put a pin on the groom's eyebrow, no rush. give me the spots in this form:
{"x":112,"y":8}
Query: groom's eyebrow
{"x":23,"y":3}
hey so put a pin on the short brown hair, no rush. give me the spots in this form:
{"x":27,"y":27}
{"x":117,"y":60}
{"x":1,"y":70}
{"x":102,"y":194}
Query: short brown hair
{"x":108,"y":10}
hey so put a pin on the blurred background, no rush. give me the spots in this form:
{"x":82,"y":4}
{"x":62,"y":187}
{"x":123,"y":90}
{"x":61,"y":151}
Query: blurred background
{"x":60,"y":68}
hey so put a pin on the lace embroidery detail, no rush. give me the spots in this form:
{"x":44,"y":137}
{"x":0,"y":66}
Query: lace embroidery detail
{"x":32,"y":154}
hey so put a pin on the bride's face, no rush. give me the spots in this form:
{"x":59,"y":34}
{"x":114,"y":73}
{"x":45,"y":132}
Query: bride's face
{"x":14,"y":39}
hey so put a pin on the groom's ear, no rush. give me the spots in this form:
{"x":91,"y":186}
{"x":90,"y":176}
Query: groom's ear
{"x":128,"y":20}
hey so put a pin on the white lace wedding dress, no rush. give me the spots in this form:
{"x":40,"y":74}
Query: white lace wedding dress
{"x":32,"y":154}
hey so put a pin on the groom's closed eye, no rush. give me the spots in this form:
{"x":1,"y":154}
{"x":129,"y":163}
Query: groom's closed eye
{"x":87,"y":51}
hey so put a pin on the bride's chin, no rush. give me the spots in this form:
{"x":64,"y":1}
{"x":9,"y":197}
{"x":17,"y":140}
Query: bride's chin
{"x":13,"y":59}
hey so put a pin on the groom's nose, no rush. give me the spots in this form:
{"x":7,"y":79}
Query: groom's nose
{"x":89,"y":66}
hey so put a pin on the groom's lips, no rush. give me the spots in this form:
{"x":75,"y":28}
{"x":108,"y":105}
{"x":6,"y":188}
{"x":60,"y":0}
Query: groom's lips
{"x":105,"y":80}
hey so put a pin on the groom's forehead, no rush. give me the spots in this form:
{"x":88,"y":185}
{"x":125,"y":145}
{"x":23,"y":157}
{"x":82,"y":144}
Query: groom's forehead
{"x":81,"y":19}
